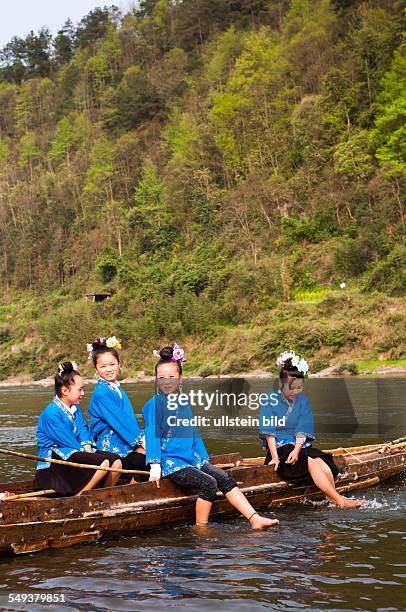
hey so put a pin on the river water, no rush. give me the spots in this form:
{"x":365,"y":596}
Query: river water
{"x":319,"y":558}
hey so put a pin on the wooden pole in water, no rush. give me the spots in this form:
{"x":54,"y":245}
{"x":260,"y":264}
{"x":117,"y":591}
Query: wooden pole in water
{"x":81,"y":466}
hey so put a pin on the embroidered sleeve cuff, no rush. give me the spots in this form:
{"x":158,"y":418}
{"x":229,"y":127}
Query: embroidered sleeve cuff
{"x":153,"y":460}
{"x":140,"y":441}
{"x":301,"y":434}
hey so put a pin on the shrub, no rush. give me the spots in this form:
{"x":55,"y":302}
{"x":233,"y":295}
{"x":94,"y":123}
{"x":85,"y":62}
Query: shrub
{"x":309,"y":229}
{"x":352,"y":256}
{"x":389,"y":275}
{"x":71,"y":326}
{"x":4,"y":335}
{"x":348,"y":367}
{"x":107,"y":264}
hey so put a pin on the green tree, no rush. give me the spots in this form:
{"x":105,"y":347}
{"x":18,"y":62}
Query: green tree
{"x":148,"y":195}
{"x":94,"y":26}
{"x":352,"y":158}
{"x":250,"y":115}
{"x":28,"y":151}
{"x":64,"y":43}
{"x":100,"y":172}
{"x":64,"y":141}
{"x":388,"y":137}
{"x":133,"y":102}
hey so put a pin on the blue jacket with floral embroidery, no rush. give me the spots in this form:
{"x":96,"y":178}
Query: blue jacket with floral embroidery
{"x":174,"y":446}
{"x":113,"y":423}
{"x":62,"y":431}
{"x":298,"y":420}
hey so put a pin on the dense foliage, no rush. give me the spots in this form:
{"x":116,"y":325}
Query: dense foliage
{"x":207,"y":162}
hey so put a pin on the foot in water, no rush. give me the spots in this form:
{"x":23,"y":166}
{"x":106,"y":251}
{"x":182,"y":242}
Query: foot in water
{"x":350,"y":503}
{"x":201,"y":528}
{"x":261,"y":522}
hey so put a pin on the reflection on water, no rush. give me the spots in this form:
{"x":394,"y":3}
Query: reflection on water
{"x":319,"y":558}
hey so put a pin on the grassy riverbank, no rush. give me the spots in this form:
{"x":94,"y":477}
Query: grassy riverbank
{"x":355,"y":331}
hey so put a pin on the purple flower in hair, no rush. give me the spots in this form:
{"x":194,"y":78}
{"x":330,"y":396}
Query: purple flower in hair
{"x":178,"y":354}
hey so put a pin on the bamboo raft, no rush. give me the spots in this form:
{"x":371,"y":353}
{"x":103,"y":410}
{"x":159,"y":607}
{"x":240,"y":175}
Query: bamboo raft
{"x":29,"y":524}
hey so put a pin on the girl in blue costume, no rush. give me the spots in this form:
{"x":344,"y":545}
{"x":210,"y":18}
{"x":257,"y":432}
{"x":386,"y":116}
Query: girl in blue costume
{"x":287,"y":432}
{"x":63,"y":434}
{"x":113,"y":423}
{"x":176,"y":451}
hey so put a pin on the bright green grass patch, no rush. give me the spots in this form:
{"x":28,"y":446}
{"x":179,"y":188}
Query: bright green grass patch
{"x":373,"y":364}
{"x":312,"y":296}
{"x":7,"y":309}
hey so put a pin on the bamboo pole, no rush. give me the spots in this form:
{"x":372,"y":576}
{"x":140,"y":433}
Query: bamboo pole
{"x":82,"y":466}
{"x":33,"y":494}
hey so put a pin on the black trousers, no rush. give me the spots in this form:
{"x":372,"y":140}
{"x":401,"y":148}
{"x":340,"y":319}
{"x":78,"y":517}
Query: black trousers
{"x":67,"y":480}
{"x":206,"y":480}
{"x":300,"y":470}
{"x":135,"y":461}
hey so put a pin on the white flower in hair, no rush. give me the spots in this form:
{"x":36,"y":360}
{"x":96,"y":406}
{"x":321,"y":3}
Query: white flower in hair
{"x":74,"y":365}
{"x":60,"y":369}
{"x":283,"y":357}
{"x":156,"y":354}
{"x":303,"y":366}
{"x":297,"y":362}
{"x":113,"y":343}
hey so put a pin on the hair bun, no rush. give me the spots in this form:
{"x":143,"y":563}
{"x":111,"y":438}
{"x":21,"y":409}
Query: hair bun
{"x":99,"y":342}
{"x":166,"y":353}
{"x":67,"y":367}
{"x":288,"y":365}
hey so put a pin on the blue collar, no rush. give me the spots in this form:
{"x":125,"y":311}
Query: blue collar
{"x":113,"y":386}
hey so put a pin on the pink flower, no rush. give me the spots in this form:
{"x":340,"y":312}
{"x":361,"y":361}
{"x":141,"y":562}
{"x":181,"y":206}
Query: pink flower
{"x":178,"y":354}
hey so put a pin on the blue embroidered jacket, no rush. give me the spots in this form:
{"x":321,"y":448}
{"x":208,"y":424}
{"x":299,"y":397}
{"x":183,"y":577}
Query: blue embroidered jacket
{"x":174,"y":446}
{"x":113,"y":423}
{"x":298,"y":420}
{"x":61,"y":431}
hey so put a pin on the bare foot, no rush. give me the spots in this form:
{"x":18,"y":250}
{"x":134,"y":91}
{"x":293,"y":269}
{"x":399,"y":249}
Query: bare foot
{"x":201,"y":528}
{"x":133,"y":481}
{"x":261,"y":522}
{"x":350,"y":503}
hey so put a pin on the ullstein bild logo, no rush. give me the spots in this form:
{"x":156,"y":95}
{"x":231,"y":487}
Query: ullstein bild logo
{"x":224,"y":421}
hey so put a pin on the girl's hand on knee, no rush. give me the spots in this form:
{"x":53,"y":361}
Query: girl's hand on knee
{"x":275,"y":462}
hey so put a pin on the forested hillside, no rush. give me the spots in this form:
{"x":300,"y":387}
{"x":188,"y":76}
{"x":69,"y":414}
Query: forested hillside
{"x":221,"y":167}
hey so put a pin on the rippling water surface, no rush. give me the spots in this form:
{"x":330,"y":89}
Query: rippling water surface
{"x":319,"y":558}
